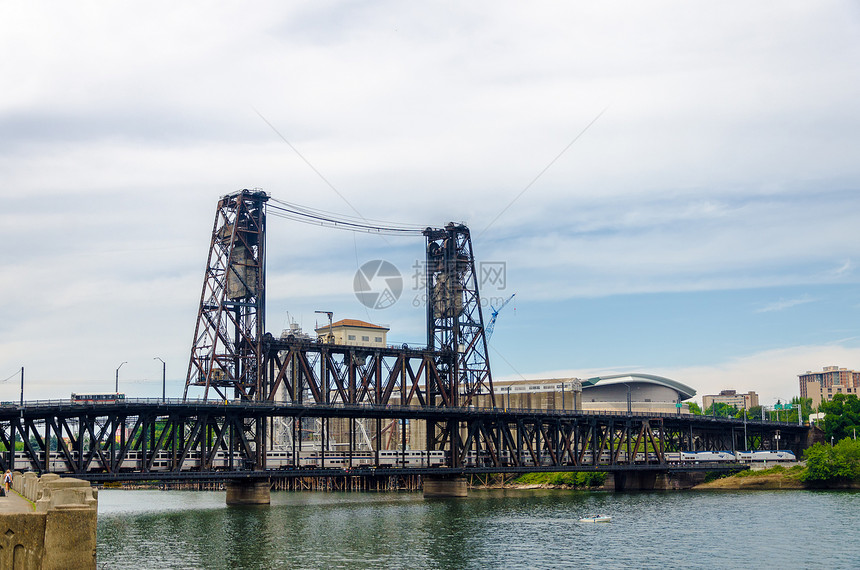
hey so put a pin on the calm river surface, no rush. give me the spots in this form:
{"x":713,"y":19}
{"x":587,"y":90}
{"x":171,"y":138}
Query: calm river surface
{"x":490,"y":529}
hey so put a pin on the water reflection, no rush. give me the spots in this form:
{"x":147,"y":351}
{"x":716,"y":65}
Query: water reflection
{"x":514,"y":529}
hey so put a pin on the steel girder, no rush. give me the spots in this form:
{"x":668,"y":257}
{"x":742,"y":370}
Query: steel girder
{"x":106,"y":441}
{"x":558,"y":441}
{"x":306,"y":372}
{"x":130,"y":437}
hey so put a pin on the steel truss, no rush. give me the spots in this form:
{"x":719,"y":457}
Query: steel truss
{"x":455,"y":322}
{"x":103,"y":440}
{"x":303,"y":371}
{"x":154,"y":440}
{"x":225,"y":352}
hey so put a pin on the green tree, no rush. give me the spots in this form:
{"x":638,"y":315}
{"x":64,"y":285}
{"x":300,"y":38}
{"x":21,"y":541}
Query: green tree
{"x":789,"y":411}
{"x":722,"y":410}
{"x":754,"y":413}
{"x":825,"y":464}
{"x":841,"y":416}
{"x":695,"y":408}
{"x":805,"y":406}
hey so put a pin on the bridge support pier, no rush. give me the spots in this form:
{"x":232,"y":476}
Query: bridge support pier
{"x":436,"y":487}
{"x":635,"y":480}
{"x":248,"y":492}
{"x":655,"y":480}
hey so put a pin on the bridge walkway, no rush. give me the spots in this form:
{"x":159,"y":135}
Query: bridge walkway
{"x":13,"y":503}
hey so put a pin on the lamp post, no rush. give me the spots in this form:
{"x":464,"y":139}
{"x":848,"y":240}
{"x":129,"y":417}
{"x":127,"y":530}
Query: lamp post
{"x":163,"y":379}
{"x":629,"y":402}
{"x":117,"y":376}
{"x":562,"y":396}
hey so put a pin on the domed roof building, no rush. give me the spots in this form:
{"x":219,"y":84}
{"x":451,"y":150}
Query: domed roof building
{"x":635,"y":393}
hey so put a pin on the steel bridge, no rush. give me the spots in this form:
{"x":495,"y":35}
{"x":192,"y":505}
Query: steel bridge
{"x":262,"y":395}
{"x":204,"y":440}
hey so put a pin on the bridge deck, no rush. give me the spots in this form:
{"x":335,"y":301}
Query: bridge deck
{"x":151,"y":439}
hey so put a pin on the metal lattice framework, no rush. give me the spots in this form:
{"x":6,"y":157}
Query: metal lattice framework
{"x":455,"y":322}
{"x":226,"y":351}
{"x":308,"y":372}
{"x":155,"y":440}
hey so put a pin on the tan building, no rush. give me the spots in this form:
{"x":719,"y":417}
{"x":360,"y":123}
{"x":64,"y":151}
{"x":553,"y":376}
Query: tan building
{"x":354,"y":332}
{"x":731,"y":398}
{"x":550,"y":394}
{"x":635,"y":393}
{"x":822,"y":386}
{"x":370,"y":434}
{"x":818,"y":393}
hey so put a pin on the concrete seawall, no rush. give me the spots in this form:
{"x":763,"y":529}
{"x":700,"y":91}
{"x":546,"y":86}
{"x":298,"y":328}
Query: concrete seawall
{"x":48,"y":523}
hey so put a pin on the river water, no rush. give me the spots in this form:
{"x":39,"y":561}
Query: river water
{"x":491,"y":528}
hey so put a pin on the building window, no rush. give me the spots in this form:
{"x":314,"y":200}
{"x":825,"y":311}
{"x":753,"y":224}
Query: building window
{"x":377,"y":339}
{"x":351,"y":337}
{"x":365,"y":338}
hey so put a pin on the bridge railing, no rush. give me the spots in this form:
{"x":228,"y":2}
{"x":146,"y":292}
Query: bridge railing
{"x":157,"y":402}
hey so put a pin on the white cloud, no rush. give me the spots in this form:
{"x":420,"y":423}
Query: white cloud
{"x":784,"y":304}
{"x":726,"y":158}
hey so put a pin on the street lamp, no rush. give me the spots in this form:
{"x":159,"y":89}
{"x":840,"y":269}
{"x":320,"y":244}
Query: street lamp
{"x":117,"y":376}
{"x":629,"y":402}
{"x":163,"y":378}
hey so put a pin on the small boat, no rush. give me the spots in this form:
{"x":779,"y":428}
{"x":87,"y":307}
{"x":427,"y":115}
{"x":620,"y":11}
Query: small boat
{"x":596,"y":519}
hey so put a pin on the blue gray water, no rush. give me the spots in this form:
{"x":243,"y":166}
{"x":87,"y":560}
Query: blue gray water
{"x":498,"y":528}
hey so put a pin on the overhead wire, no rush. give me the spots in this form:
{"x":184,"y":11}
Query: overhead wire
{"x":16,"y":373}
{"x":322,"y":218}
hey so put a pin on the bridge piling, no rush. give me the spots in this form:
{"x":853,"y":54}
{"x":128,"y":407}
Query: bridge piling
{"x":635,"y":480}
{"x":248,"y":492}
{"x":442,"y":487}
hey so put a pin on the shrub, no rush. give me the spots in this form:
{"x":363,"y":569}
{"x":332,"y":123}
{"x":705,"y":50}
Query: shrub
{"x":577,"y":480}
{"x":826,"y":464}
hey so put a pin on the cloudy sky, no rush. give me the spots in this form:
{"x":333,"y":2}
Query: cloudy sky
{"x":673,"y":187}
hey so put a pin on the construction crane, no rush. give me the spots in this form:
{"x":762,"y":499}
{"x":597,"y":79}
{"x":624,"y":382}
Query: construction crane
{"x":494,"y":313}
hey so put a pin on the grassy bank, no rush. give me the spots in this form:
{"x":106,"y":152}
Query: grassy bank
{"x":778,"y":477}
{"x":563,"y":480}
{"x":774,"y":478}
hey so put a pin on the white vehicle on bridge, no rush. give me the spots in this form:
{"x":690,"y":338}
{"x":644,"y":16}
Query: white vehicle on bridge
{"x":703,"y":456}
{"x":755,"y":456}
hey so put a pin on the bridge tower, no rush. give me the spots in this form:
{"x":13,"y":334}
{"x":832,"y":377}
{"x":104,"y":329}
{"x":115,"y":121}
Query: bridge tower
{"x":455,"y":322}
{"x":226,"y":352}
{"x":455,"y":330}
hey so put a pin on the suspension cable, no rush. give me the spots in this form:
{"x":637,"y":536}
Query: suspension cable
{"x":316,"y":217}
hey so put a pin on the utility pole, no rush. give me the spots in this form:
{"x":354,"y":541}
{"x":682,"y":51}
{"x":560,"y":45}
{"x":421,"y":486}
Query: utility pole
{"x":22,"y":385}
